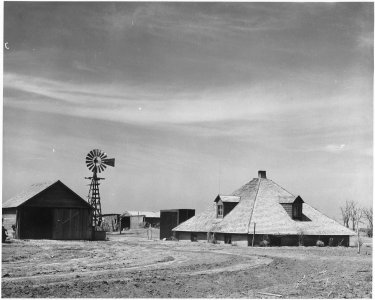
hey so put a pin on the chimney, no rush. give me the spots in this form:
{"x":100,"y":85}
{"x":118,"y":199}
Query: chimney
{"x":262,"y":174}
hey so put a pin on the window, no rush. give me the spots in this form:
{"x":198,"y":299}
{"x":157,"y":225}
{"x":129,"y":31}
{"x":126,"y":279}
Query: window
{"x":219,"y":210}
{"x":297,"y":211}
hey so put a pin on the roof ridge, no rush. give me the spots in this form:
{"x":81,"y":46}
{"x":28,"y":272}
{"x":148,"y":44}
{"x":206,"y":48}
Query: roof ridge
{"x":281,"y":187}
{"x":255,"y":199}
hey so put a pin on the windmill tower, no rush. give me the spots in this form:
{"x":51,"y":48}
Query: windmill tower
{"x":97,"y":161}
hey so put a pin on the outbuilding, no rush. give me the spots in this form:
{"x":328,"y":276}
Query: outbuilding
{"x":139,"y":219}
{"x":170,"y":218}
{"x":48,"y":210}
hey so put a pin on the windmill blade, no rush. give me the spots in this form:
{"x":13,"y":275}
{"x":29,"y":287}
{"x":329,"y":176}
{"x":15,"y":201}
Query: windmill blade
{"x":103,"y":155}
{"x":109,"y":162}
{"x":89,"y":155}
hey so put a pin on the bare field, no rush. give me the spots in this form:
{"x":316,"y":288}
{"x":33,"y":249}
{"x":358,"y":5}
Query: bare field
{"x":129,"y":265}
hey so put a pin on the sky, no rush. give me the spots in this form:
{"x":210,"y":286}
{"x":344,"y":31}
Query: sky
{"x":191,"y":99}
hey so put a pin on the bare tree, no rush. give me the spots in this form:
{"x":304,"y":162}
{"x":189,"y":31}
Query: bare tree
{"x":347,"y":212}
{"x":358,"y":213}
{"x":367,"y":214}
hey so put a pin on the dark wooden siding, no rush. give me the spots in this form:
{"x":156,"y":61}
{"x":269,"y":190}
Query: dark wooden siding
{"x":169,"y":219}
{"x":54,"y":223}
{"x":71,"y":224}
{"x":57,"y":195}
{"x":288,"y":208}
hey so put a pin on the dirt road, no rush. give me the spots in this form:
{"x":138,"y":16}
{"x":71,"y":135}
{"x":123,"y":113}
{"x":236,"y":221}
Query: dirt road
{"x":131,"y":266}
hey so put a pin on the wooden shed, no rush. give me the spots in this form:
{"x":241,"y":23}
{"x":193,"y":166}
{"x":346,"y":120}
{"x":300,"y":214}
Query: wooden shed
{"x":139,"y":219}
{"x":111,"y":222}
{"x":170,"y":218}
{"x":48,"y":210}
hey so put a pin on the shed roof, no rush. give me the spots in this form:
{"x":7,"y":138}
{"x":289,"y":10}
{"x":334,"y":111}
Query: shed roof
{"x":147,"y":214}
{"x":225,"y":198}
{"x":260,"y":204}
{"x":35,"y":190}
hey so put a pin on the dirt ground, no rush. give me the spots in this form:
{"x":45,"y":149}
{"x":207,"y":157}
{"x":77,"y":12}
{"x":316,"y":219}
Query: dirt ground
{"x":130,"y":265}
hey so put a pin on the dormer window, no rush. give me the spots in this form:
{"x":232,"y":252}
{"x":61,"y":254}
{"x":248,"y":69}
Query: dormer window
{"x":297,"y":210}
{"x":293,"y":206}
{"x":220,"y":210}
{"x":225,"y":204}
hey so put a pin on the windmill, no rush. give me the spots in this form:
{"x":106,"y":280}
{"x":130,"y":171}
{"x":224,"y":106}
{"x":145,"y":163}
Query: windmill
{"x":97,"y":162}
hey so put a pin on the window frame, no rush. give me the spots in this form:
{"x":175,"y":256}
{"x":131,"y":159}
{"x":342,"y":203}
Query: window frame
{"x":220,"y":210}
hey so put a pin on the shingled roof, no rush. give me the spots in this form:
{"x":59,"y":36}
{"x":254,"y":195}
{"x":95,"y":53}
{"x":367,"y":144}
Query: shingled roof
{"x":27,"y":194}
{"x":34,"y":190}
{"x":260,"y":203}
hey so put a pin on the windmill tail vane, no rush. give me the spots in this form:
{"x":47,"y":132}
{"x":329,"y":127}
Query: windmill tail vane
{"x":97,"y":162}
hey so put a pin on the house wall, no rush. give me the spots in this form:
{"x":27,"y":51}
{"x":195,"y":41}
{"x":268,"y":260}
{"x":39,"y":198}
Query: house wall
{"x":186,"y":236}
{"x":286,"y":240}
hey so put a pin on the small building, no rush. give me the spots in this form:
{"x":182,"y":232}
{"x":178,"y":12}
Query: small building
{"x":140,"y":219}
{"x":170,"y":218}
{"x":111,"y":222}
{"x":48,"y":210}
{"x":262,"y":212}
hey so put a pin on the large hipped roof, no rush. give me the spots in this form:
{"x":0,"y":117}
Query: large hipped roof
{"x":260,"y":203}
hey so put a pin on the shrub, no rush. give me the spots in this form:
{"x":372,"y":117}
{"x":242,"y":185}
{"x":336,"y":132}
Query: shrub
{"x":319,"y":243}
{"x":264,"y":243}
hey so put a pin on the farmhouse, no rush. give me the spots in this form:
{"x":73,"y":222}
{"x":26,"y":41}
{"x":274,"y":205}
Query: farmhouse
{"x":140,"y":219}
{"x":48,"y":210}
{"x":260,"y":211}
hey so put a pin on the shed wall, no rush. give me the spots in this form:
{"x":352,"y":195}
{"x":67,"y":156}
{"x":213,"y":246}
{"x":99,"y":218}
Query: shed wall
{"x":54,"y":223}
{"x":9,"y":217}
{"x":137,"y":222}
{"x":168,"y":221}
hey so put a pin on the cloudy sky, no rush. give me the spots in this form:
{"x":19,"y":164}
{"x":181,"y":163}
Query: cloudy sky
{"x":192,"y":99}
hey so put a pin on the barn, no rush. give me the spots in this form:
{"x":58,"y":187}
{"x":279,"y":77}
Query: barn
{"x":48,"y":210}
{"x":262,"y":212}
{"x":139,"y":219}
{"x":170,"y":218}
